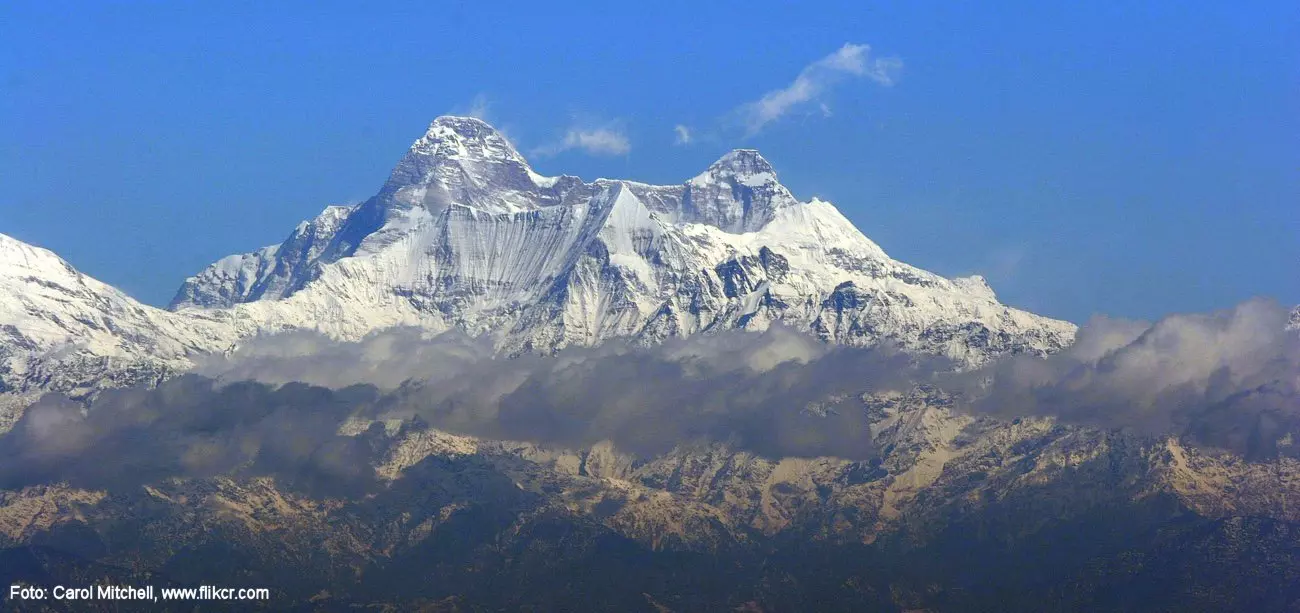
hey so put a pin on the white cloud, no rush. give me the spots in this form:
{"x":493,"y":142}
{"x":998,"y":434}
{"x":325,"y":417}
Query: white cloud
{"x":683,"y":134}
{"x":849,"y":61}
{"x":606,"y":140}
{"x":1004,"y":263}
{"x":745,"y":388}
{"x":479,"y":107}
{"x":1226,"y":379}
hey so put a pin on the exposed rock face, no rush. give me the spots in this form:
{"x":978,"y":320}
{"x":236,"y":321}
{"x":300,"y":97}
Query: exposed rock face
{"x":738,"y":193}
{"x":270,"y":272}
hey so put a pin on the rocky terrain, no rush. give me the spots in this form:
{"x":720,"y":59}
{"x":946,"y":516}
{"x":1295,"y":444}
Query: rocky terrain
{"x":957,"y":513}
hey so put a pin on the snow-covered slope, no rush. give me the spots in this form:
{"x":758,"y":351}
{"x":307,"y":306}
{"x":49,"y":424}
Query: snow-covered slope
{"x":465,"y":234}
{"x":62,"y":330}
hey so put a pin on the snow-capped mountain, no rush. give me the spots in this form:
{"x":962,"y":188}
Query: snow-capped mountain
{"x":465,"y":234}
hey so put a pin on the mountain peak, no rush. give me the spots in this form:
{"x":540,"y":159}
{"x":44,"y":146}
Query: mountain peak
{"x":462,"y":121}
{"x":462,"y":160}
{"x":17,"y":255}
{"x":743,"y":162}
{"x":739,"y":166}
{"x":455,"y":137}
{"x":738,"y":193}
{"x":463,"y":127}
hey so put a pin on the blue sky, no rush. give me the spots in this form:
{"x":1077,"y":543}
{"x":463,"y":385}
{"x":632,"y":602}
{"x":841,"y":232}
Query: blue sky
{"x":1127,"y":160}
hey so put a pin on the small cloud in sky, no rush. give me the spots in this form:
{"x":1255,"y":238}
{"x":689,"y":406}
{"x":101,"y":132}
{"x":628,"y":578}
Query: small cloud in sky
{"x":605,"y":141}
{"x":479,"y":107}
{"x":1004,"y":263}
{"x":849,"y":61}
{"x":683,"y":134}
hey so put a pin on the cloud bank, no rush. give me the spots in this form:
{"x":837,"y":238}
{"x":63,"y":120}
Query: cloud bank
{"x":849,"y":61}
{"x":1227,"y":380}
{"x":190,"y":427}
{"x":777,"y":394}
{"x":768,"y":393}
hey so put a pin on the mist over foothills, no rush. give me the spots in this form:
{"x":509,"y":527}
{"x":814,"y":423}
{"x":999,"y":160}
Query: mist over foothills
{"x":1228,"y":379}
{"x":1225,"y":380}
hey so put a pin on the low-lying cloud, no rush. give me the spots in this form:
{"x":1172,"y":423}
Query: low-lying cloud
{"x":776,"y":394}
{"x":1228,"y":379}
{"x":765,"y":392}
{"x":190,"y":427}
{"x":1225,"y":380}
